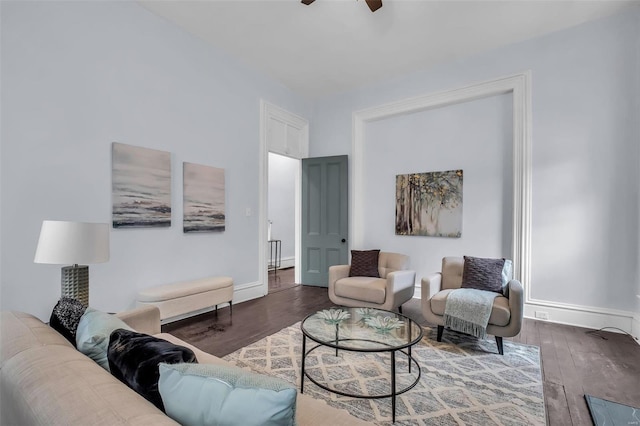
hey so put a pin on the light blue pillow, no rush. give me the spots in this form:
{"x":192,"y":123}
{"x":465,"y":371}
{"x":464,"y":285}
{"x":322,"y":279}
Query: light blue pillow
{"x":507,"y":275}
{"x":92,"y":336}
{"x":208,"y":394}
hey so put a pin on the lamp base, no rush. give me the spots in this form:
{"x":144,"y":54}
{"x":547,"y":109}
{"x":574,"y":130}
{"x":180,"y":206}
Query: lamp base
{"x":75,"y":283}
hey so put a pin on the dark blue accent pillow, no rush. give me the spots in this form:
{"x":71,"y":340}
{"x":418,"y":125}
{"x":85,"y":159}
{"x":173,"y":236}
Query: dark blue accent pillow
{"x":482,"y":273}
{"x":134,"y":358}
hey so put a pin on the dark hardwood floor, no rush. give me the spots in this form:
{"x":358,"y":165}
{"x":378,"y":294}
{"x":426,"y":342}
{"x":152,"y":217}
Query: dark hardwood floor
{"x":281,"y":279}
{"x":574,"y":362}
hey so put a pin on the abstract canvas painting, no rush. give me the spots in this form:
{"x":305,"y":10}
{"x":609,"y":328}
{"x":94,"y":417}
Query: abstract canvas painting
{"x":141,"y":187}
{"x":204,"y":206}
{"x":429,"y":204}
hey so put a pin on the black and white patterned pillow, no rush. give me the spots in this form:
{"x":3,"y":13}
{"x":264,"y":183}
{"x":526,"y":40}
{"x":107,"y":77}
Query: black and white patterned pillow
{"x":65,"y":317}
{"x":482,"y":273}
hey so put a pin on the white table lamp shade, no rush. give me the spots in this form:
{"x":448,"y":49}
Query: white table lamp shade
{"x":64,"y":243}
{"x":75,"y":243}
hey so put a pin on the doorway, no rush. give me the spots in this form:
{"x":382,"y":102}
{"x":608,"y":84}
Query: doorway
{"x":281,"y":218}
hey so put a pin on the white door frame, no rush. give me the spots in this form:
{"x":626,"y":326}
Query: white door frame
{"x":519,"y":86}
{"x":268,"y":111}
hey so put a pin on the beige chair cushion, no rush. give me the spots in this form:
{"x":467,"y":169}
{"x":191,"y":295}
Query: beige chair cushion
{"x":366,"y":289}
{"x":500,"y":313}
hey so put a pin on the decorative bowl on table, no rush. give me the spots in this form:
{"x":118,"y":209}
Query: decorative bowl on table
{"x":334,"y":316}
{"x":384,"y":324}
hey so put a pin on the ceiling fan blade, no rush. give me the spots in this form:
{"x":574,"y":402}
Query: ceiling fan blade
{"x":307,"y":2}
{"x":373,"y":4}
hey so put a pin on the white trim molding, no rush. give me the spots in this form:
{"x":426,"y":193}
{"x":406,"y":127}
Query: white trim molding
{"x":581,"y":316}
{"x":519,"y":86}
{"x":248,"y":291}
{"x":267,"y":112}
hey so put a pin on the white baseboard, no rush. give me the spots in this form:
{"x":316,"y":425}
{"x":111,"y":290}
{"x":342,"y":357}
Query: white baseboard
{"x":288,"y":262}
{"x":248,"y":291}
{"x":580,"y":316}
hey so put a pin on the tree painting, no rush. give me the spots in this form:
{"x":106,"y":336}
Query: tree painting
{"x":429,"y":204}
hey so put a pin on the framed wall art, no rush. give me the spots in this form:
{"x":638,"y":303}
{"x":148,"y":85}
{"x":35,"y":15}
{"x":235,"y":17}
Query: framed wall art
{"x":141,"y":187}
{"x":429,"y":204}
{"x":204,"y":198}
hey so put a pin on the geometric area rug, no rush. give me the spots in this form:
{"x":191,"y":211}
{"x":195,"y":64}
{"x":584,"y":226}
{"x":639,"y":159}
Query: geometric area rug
{"x":464,"y":380}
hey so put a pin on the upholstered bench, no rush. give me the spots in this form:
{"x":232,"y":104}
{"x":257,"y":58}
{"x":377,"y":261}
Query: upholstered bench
{"x":178,"y":300}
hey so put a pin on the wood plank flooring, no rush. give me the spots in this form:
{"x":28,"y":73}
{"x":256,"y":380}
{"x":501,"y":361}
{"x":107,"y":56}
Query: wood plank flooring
{"x":574,"y":362}
{"x":281,"y":279}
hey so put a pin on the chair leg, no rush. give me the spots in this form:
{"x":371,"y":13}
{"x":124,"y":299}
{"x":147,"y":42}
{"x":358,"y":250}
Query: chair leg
{"x":400,"y":309}
{"x":500,"y":346}
{"x":440,"y":330}
{"x":230,"y":308}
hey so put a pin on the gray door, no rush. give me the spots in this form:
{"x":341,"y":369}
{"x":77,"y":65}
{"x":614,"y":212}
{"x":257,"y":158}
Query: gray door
{"x":325,"y":217}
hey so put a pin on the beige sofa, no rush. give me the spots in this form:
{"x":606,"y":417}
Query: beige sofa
{"x":44,"y":380}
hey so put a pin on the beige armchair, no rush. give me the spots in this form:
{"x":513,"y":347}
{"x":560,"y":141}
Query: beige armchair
{"x":394,"y":287}
{"x":506,"y":314}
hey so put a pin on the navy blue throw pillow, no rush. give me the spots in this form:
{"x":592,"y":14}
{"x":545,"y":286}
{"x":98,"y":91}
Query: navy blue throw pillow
{"x":134,"y":358}
{"x":482,"y":273}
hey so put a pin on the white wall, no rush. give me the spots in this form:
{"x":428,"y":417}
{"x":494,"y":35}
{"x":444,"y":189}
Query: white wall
{"x":282,"y":195}
{"x":434,"y":140}
{"x":636,"y":324}
{"x":77,"y":76}
{"x":585,"y":156}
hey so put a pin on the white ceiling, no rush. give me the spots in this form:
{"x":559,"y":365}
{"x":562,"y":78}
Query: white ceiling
{"x":332,"y":46}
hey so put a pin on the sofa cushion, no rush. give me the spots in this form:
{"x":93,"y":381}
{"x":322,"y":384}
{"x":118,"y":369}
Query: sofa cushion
{"x":308,"y":409}
{"x":500,"y":312}
{"x":92,"y":338}
{"x":202,"y":394}
{"x":134,"y":358}
{"x":21,"y":331}
{"x":482,"y":273}
{"x":366,"y":289}
{"x":66,"y":316}
{"x":364,"y":263}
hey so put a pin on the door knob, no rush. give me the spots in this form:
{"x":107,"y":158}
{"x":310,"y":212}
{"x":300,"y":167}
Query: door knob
{"x":344,"y":241}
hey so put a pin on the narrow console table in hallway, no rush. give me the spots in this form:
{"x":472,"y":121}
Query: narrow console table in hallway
{"x":275,"y":255}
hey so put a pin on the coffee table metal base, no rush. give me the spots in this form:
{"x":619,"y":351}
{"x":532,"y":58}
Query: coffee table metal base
{"x":393,"y":394}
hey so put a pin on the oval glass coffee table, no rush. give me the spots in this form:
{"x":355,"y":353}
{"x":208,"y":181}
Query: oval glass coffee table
{"x":362,"y":330}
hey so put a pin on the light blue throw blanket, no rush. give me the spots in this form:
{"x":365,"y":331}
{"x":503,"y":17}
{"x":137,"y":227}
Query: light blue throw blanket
{"x":468,"y":310}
